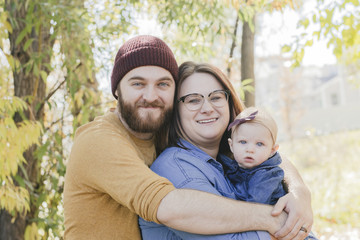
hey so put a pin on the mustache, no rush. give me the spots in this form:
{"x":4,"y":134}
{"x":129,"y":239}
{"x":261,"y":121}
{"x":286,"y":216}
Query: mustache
{"x":155,"y":103}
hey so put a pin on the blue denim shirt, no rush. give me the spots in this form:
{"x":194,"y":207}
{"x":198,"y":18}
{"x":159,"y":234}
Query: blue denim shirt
{"x":193,"y":168}
{"x":262,"y":184}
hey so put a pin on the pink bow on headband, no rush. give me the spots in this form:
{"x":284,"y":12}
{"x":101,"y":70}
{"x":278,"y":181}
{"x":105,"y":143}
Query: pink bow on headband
{"x":242,"y":120}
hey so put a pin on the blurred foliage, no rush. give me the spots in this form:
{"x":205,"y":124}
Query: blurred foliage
{"x":336,"y":22}
{"x":203,"y":29}
{"x":329,"y":166}
{"x":15,"y":138}
{"x":83,"y":36}
{"x":51,"y":42}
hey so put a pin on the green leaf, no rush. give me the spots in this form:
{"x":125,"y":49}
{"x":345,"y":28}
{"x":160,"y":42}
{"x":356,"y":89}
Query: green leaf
{"x":8,"y":26}
{"x":305,"y":23}
{"x":49,"y":104}
{"x":43,"y":75}
{"x":19,"y":180}
{"x":286,"y":49}
{"x":21,"y":36}
{"x":28,"y":43}
{"x":10,"y":60}
{"x":35,"y":70}
{"x":309,"y":43}
{"x":246,"y":81}
{"x":314,"y":18}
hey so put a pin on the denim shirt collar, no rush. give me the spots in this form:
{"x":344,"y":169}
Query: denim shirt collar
{"x":201,"y":155}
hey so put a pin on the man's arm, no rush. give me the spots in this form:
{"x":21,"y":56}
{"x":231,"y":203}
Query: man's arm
{"x":204,"y":213}
{"x":297,"y":204}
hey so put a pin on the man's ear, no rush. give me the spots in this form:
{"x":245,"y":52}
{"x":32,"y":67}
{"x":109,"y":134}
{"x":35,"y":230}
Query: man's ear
{"x":230,"y":144}
{"x":274,"y":149}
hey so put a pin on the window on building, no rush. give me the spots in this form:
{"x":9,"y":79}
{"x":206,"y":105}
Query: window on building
{"x":334,"y":99}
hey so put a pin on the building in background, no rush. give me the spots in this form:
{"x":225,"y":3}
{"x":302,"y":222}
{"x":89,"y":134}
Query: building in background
{"x":308,"y":100}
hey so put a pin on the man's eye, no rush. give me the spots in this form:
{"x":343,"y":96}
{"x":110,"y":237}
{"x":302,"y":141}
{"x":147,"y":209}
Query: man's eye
{"x":164,"y":84}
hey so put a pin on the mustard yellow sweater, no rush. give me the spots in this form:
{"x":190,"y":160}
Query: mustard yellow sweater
{"x":108,"y":182}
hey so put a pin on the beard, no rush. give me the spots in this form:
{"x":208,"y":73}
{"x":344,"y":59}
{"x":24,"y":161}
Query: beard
{"x":145,"y":124}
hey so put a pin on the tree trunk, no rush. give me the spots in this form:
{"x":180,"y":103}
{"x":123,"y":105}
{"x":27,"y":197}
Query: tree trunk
{"x":32,"y":86}
{"x":247,"y":61}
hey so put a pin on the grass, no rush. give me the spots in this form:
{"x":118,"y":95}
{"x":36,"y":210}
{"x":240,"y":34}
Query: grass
{"x":330,"y":167}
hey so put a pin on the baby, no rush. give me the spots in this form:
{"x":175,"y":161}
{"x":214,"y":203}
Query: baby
{"x":256,"y":174}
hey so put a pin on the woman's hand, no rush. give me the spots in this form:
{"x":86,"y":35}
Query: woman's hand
{"x":300,"y":215}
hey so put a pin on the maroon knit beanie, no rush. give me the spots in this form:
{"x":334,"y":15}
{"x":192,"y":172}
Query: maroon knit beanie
{"x":140,"y":51}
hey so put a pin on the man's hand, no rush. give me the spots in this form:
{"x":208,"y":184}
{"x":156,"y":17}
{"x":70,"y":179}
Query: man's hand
{"x":300,"y":216}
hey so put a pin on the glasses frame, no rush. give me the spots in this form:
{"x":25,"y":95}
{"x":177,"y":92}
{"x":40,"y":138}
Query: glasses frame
{"x":226,"y":92}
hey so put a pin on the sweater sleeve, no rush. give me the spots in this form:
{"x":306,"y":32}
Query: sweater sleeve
{"x":109,"y":163}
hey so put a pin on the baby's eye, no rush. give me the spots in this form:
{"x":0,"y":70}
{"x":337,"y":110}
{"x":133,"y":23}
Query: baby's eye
{"x":242,"y":141}
{"x":137,"y":84}
{"x":260,"y":144}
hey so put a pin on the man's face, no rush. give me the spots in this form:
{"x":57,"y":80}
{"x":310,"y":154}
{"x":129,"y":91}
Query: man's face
{"x":146,"y":98}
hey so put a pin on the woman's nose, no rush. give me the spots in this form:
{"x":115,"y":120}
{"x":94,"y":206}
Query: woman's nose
{"x":206,"y":106}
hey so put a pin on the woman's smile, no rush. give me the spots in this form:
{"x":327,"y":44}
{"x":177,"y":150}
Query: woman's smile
{"x":205,"y":121}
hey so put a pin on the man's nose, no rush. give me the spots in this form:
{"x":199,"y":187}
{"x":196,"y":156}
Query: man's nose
{"x":150,"y":94}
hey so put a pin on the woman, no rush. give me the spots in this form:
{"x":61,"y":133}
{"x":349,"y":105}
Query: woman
{"x":205,"y":103}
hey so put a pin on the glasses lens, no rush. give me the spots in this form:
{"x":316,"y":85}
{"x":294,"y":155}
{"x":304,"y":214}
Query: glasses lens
{"x":218,"y":98}
{"x":193,"y":101}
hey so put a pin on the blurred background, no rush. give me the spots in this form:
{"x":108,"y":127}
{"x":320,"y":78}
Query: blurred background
{"x":300,"y":59}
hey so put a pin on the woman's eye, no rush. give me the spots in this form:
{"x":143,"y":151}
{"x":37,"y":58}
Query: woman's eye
{"x":214,"y":99}
{"x":194,"y":101}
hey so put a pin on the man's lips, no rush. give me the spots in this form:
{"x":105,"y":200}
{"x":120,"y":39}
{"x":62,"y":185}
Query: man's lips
{"x":207,"y":120}
{"x":155,"y":104}
{"x":149,"y":107}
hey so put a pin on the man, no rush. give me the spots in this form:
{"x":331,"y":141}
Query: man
{"x":108,"y":180}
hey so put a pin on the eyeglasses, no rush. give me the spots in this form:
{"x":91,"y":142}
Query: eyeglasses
{"x":194,"y":101}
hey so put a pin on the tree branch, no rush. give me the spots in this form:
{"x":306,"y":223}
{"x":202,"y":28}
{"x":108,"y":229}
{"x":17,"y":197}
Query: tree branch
{"x":54,"y":91}
{"x":62,"y":118}
{"x":233,"y":45}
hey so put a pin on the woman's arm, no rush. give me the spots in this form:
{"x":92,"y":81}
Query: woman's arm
{"x":297,"y":204}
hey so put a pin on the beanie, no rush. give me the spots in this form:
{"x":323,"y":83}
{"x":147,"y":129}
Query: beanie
{"x":256,"y":115}
{"x":143,"y":50}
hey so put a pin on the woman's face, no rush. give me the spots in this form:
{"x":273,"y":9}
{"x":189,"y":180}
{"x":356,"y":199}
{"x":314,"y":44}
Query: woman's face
{"x":204,"y":127}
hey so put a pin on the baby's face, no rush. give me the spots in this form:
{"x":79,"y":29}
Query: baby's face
{"x":251,"y":144}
